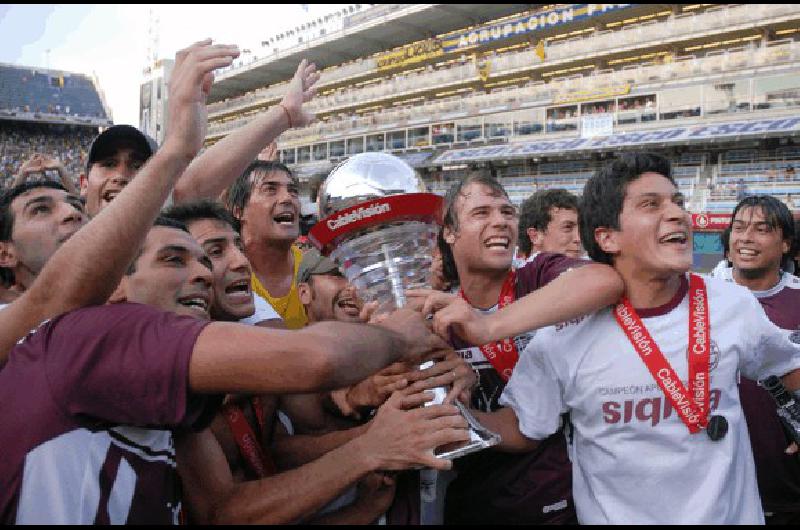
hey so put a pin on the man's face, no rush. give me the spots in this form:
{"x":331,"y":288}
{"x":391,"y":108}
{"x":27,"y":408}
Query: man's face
{"x":561,"y":235}
{"x":330,"y":297}
{"x":107,"y":177}
{"x":43,"y":219}
{"x":487,"y":230}
{"x":654,"y":236}
{"x":273,"y":211}
{"x":233,"y":299}
{"x":172,"y":273}
{"x":755,"y":245}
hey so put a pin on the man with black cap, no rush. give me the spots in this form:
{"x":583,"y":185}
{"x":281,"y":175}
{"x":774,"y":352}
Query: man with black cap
{"x":114,"y":158}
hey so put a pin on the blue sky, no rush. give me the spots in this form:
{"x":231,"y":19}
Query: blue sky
{"x":111,"y":41}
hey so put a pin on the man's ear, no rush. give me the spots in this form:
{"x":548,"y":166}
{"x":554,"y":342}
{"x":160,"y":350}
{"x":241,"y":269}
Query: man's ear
{"x":84,"y":181}
{"x":120,"y":294}
{"x":535,"y":236}
{"x":786,"y":246}
{"x":8,"y":255}
{"x":449,"y":235}
{"x":305,"y":292}
{"x":607,"y":239}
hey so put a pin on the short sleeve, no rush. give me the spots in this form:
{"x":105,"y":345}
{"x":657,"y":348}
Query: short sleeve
{"x":125,"y":363}
{"x":543,"y":269}
{"x":535,"y":393}
{"x":264,"y":311}
{"x":770,"y":351}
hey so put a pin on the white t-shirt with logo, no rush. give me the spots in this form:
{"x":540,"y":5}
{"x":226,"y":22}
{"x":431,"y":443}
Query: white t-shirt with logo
{"x":634,"y":460}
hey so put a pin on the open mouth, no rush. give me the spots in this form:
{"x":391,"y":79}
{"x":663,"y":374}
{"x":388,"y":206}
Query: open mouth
{"x":676,"y":238}
{"x":747,"y":252}
{"x":284,"y":219}
{"x":239,"y":289}
{"x":195,"y":302}
{"x":498,"y":242}
{"x":349,"y":306}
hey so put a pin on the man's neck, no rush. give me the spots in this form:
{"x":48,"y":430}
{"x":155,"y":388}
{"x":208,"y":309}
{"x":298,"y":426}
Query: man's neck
{"x":482,"y":289}
{"x":273,"y":265}
{"x":758,"y":279}
{"x":651,"y":292}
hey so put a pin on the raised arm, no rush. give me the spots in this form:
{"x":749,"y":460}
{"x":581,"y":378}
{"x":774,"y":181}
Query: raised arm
{"x":222,"y":163}
{"x":88,"y":267}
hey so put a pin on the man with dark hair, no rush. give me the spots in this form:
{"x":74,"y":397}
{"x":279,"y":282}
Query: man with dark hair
{"x":621,"y":379}
{"x":35,"y":219}
{"x":548,"y":222}
{"x":760,"y":244}
{"x":75,"y":393}
{"x":477,"y":243}
{"x":265,"y":200}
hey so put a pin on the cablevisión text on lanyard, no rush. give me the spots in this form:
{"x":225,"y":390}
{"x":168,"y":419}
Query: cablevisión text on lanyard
{"x":503,"y":354}
{"x":692,"y":405}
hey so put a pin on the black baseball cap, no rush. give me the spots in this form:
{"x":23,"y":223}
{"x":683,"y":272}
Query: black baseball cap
{"x":106,"y":143}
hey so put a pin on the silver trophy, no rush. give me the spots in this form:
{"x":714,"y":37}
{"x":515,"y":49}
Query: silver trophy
{"x":380,"y":226}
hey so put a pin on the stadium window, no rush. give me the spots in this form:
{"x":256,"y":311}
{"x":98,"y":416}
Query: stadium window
{"x":375,"y":142}
{"x":337,"y":148}
{"x":304,"y":154}
{"x":397,"y":140}
{"x":355,"y":145}
{"x":320,"y":152}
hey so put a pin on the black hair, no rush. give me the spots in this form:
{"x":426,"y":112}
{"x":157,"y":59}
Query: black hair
{"x":450,"y":217}
{"x":7,"y":278}
{"x":776,"y":214}
{"x":604,"y":194}
{"x":161,"y":220}
{"x":239,"y":192}
{"x":201,"y":209}
{"x":535,"y":213}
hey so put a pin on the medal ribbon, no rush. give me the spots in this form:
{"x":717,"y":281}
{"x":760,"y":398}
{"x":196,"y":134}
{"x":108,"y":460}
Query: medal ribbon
{"x":503,"y":354}
{"x":692,"y":405}
{"x":259,"y":462}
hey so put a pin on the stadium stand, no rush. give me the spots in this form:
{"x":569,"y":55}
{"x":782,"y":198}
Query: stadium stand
{"x":53,"y":113}
{"x":543,"y":96}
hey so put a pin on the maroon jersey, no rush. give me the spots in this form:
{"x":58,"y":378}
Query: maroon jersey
{"x":500,"y":488}
{"x":778,"y":473}
{"x":88,"y":402}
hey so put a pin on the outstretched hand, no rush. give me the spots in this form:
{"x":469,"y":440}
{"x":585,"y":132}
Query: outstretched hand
{"x":189,"y":87}
{"x":301,"y":90}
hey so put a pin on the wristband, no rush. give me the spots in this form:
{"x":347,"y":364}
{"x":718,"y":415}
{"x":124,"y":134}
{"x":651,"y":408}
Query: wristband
{"x":288,"y":117}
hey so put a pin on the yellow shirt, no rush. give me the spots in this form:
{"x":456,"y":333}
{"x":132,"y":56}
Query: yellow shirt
{"x":288,"y":307}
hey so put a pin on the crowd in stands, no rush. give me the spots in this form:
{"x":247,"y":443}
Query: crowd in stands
{"x":44,"y":91}
{"x":19,"y":141}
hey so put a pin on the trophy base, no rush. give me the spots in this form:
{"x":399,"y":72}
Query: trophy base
{"x":480,"y":438}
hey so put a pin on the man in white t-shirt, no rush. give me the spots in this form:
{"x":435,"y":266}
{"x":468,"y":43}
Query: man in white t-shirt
{"x":634,"y":457}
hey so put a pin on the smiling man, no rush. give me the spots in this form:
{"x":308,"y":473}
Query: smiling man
{"x":760,"y":246}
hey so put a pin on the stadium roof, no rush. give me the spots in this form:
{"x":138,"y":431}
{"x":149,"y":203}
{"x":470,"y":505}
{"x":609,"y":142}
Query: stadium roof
{"x":407,"y":25}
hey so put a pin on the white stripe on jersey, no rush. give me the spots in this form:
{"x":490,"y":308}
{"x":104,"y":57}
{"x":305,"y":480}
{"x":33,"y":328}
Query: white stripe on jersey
{"x":119,"y":501}
{"x":73,"y":491}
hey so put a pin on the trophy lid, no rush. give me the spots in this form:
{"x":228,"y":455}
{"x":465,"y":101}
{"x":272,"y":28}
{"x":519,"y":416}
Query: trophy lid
{"x":366,"y":176}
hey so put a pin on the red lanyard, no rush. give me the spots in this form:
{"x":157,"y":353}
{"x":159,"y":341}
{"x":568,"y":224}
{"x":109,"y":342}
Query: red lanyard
{"x":259,"y":462}
{"x":503,"y":354}
{"x":692,"y":405}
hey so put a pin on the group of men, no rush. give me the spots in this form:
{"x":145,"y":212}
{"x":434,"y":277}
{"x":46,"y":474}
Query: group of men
{"x":193,"y":365}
